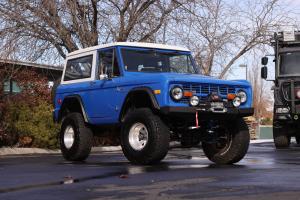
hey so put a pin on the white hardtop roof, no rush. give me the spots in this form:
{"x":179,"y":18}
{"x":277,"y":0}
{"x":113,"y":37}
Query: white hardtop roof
{"x":130,"y":44}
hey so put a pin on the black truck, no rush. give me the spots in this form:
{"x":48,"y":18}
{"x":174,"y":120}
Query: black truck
{"x":286,"y":122}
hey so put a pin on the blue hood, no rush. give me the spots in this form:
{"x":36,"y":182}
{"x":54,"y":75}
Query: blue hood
{"x":191,"y":78}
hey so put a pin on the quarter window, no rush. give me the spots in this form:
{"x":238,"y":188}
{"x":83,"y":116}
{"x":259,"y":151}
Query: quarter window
{"x":79,"y":68}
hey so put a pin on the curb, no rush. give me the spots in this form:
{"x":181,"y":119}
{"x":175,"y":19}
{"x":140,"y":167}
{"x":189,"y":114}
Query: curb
{"x":6,"y":151}
{"x":260,"y":141}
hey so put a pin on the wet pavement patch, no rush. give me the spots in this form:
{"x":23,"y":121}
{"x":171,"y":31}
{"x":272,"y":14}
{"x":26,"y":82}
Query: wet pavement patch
{"x":67,"y":180}
{"x":183,"y":174}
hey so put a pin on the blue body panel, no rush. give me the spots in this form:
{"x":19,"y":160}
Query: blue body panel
{"x":103,"y":99}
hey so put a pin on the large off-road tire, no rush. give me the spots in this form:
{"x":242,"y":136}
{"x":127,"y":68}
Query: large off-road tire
{"x":144,"y":137}
{"x":75,"y":138}
{"x":232,"y":143}
{"x":281,"y":137}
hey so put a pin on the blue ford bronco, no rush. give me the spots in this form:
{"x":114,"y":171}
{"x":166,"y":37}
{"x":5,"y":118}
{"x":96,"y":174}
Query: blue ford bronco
{"x":151,"y":94}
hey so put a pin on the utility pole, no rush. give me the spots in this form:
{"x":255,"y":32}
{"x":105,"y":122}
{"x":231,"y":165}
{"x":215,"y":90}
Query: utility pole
{"x":245,"y":66}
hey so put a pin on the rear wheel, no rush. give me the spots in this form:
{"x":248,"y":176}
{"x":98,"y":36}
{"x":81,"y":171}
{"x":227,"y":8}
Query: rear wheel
{"x":144,"y":137}
{"x":231,"y":144}
{"x":281,"y":137}
{"x":75,"y":138}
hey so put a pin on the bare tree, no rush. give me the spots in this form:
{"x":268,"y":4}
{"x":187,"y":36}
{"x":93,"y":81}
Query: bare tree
{"x":138,"y":20}
{"x":68,"y":25}
{"x":262,"y":97}
{"x":220,"y":32}
{"x":64,"y":25}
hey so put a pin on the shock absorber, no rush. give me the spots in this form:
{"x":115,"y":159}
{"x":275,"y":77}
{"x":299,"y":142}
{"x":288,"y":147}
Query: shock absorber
{"x":211,"y":133}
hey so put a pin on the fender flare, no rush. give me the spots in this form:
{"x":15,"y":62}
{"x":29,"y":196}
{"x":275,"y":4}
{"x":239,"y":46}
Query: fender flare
{"x":148,"y":91}
{"x":78,"y":98}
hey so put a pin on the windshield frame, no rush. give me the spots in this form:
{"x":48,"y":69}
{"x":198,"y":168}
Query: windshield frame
{"x":188,"y":53}
{"x":279,"y":63}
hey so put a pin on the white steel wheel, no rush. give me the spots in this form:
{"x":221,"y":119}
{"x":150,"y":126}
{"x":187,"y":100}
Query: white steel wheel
{"x":138,"y":136}
{"x":69,"y":137}
{"x":144,"y":137}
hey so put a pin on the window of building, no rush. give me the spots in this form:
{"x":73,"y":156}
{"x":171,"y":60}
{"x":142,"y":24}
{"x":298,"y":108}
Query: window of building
{"x":11,"y":87}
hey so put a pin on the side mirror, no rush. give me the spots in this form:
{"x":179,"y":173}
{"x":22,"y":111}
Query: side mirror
{"x":264,"y":60}
{"x":264,"y":72}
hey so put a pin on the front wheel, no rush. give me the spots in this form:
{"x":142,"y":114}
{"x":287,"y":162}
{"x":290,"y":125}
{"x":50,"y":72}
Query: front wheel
{"x":281,"y":136}
{"x":231,"y":144}
{"x":144,"y":137}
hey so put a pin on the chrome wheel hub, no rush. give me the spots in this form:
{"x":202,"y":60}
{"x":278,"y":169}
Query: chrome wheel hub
{"x":69,"y":137}
{"x":138,"y":136}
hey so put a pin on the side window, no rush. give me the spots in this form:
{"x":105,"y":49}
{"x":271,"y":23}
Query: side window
{"x":108,"y":63}
{"x":79,"y":68}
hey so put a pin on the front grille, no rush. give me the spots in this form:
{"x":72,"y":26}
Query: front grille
{"x":203,"y":90}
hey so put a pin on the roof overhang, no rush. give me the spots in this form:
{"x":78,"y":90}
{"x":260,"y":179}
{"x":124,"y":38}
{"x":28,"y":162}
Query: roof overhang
{"x":30,"y":64}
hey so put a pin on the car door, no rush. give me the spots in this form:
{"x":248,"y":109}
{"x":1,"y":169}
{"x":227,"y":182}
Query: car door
{"x":105,"y":95}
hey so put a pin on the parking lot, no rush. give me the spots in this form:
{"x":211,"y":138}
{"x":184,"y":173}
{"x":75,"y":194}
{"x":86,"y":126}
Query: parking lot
{"x":185,"y":174}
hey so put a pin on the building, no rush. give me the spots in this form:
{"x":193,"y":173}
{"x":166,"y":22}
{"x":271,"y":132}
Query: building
{"x":51,"y":72}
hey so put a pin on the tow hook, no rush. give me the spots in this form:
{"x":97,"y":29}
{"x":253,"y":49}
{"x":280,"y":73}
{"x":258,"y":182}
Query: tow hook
{"x":196,"y":123}
{"x":197,"y":120}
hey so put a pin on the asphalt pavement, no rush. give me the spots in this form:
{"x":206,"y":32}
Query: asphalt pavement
{"x":265,"y":173}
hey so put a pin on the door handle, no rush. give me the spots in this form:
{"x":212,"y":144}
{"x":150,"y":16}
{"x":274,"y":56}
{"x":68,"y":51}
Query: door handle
{"x":120,"y":89}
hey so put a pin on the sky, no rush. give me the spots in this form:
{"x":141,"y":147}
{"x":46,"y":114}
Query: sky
{"x":238,"y":72}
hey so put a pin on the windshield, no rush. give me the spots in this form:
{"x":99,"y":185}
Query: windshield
{"x":157,"y":61}
{"x":290,"y":63}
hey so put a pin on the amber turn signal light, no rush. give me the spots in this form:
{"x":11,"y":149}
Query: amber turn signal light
{"x":188,"y":94}
{"x":156,"y":91}
{"x":231,"y":96}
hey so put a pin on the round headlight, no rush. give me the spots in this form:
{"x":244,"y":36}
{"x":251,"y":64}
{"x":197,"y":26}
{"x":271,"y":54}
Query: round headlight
{"x":236,"y":102}
{"x":243,"y":96}
{"x":177,"y":93}
{"x":194,"y":100}
{"x":298,"y":93}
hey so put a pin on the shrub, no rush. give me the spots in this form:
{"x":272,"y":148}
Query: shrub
{"x":33,"y":122}
{"x":25,"y":117}
{"x":266,"y":121}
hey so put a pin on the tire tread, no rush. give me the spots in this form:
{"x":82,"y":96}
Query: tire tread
{"x":84,"y":143}
{"x":158,"y":150}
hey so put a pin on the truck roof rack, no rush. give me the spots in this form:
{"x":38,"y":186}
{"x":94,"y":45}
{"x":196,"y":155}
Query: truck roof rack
{"x":280,"y":37}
